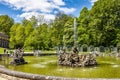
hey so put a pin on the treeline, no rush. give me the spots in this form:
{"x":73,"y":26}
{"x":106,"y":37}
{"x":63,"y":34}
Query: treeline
{"x":99,"y":26}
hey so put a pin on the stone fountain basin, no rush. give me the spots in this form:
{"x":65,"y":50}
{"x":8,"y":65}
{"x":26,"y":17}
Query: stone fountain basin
{"x":47,"y":68}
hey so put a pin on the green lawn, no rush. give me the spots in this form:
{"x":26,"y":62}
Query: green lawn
{"x":48,"y":51}
{"x":1,"y":50}
{"x":28,"y":51}
{"x":45,"y":51}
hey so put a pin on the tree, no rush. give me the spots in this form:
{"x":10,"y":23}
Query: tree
{"x":39,"y":38}
{"x":6,"y":23}
{"x":13,"y":34}
{"x":58,"y":29}
{"x":34,"y":21}
{"x":17,"y":36}
{"x":83,"y":27}
{"x":105,"y":19}
{"x":68,"y":37}
{"x":29,"y":26}
{"x":20,"y":38}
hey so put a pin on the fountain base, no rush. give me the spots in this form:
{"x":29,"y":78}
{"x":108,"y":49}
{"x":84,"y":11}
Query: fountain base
{"x":73,"y":59}
{"x":18,"y":61}
{"x":76,"y":60}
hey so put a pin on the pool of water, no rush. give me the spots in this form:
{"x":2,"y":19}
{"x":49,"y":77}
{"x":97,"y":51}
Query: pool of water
{"x":108,"y":67}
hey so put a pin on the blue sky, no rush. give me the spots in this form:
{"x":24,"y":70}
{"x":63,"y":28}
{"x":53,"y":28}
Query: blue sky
{"x":18,"y":9}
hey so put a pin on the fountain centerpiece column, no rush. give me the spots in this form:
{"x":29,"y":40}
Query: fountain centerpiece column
{"x":75,"y":30}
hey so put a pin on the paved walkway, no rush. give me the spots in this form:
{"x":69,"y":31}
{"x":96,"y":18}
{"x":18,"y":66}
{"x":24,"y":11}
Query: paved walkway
{"x":7,"y":77}
{"x":2,"y":78}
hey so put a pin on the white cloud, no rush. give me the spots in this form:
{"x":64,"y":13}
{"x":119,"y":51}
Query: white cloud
{"x":58,"y":2}
{"x":31,"y":5}
{"x":93,"y":1}
{"x":28,"y":15}
{"x":38,"y":7}
{"x":67,"y":10}
{"x":35,"y":5}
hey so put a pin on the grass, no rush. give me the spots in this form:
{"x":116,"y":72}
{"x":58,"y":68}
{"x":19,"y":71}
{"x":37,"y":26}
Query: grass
{"x":84,"y":52}
{"x":28,"y":50}
{"x":1,"y":50}
{"x":48,"y":51}
{"x":45,"y":51}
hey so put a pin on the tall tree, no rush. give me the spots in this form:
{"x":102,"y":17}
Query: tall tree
{"x":83,"y":23}
{"x":39,"y":38}
{"x":6,"y":23}
{"x":17,"y":36}
{"x":58,"y":29}
{"x":105,"y":19}
{"x":68,"y":37}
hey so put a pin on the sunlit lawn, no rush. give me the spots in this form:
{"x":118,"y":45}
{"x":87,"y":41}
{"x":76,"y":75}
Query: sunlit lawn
{"x":49,"y":51}
{"x":1,"y":50}
{"x":43,"y":51}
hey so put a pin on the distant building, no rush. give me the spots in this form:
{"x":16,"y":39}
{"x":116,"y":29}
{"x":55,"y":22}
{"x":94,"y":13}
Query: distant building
{"x":4,"y":40}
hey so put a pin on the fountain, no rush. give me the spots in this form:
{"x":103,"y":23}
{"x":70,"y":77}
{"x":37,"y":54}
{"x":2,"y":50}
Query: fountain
{"x":17,"y":57}
{"x":73,"y":59}
{"x":37,"y":52}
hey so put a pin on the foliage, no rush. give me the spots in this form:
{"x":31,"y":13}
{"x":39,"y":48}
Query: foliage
{"x":101,"y":23}
{"x":6,"y":23}
{"x":17,"y":36}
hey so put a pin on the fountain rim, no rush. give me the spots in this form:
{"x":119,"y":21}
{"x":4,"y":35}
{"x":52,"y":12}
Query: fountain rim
{"x":30,"y":76}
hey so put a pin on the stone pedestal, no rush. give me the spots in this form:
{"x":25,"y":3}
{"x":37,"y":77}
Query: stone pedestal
{"x":18,"y":61}
{"x":74,"y":60}
{"x":17,"y":57}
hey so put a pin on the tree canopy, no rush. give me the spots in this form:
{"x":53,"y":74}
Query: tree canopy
{"x":6,"y":23}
